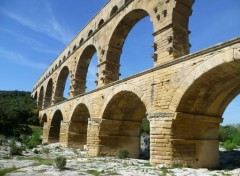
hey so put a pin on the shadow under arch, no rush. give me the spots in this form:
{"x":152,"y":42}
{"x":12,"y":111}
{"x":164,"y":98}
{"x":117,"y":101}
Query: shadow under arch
{"x":121,"y":122}
{"x":43,"y":119}
{"x":77,"y":135}
{"x":40,"y":98}
{"x":35,"y":97}
{"x":117,"y":41}
{"x":82,"y":69}
{"x":199,"y":114}
{"x":54,"y":132}
{"x":48,"y":94}
{"x":60,"y":85}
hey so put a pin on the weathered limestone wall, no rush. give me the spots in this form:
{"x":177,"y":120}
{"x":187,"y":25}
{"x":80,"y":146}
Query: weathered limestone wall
{"x":184,"y":97}
{"x":170,"y":41}
{"x":176,"y":137}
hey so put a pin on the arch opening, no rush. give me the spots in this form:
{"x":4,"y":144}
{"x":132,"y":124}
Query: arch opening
{"x":35,"y":96}
{"x":81,"y":41}
{"x":85,"y":74}
{"x":135,"y":26}
{"x":202,"y":16}
{"x":77,"y":136}
{"x":67,"y":88}
{"x":114,"y":10}
{"x":61,"y":85}
{"x":40,"y":98}
{"x":90,"y":33}
{"x":199,"y":114}
{"x":101,"y":22}
{"x":121,"y":123}
{"x":54,"y":132}
{"x":48,"y":94}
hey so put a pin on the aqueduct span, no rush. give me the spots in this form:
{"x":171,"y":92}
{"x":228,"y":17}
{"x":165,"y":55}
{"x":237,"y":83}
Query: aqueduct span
{"x":184,"y":96}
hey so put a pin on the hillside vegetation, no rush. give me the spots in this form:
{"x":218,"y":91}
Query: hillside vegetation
{"x":18,"y":110}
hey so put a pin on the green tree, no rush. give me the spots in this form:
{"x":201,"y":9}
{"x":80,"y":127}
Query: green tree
{"x":17,"y":111}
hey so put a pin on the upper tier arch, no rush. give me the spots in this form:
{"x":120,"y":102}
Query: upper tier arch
{"x":107,"y":33}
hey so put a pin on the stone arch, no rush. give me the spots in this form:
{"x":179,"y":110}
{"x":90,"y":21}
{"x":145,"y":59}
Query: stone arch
{"x":60,"y":85}
{"x":74,"y":48}
{"x":117,"y":40}
{"x":121,"y":122}
{"x":203,"y":97}
{"x":208,"y":66}
{"x":101,"y":22}
{"x":77,"y":135}
{"x":54,"y":132}
{"x":90,"y":33}
{"x":130,"y":88}
{"x":40,"y":98}
{"x":81,"y":41}
{"x":114,"y":10}
{"x":211,"y":92}
{"x":48,"y":94}
{"x":43,"y":119}
{"x":82,"y":69}
{"x":35,"y":97}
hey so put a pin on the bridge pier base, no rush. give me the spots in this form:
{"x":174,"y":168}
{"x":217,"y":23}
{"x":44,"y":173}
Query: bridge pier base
{"x":93,"y":136}
{"x":160,"y":136}
{"x":195,"y":140}
{"x":45,"y":133}
{"x":63,"y":137}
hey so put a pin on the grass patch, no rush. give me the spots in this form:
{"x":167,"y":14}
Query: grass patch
{"x":147,"y":164}
{"x":164,"y":171}
{"x":5,"y":157}
{"x":93,"y":172}
{"x":42,"y":161}
{"x":111,"y":173}
{"x":7,"y":170}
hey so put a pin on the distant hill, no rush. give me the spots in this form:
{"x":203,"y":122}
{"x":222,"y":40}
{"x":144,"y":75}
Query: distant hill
{"x":15,"y":93}
{"x":17,"y":110}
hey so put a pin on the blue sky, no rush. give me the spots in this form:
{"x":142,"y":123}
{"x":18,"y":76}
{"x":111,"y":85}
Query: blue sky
{"x":34,"y":32}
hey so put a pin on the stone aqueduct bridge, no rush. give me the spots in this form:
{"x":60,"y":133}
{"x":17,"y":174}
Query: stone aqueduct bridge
{"x":184,"y":96}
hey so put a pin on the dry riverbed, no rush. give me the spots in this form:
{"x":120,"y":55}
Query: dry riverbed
{"x":43,"y":164}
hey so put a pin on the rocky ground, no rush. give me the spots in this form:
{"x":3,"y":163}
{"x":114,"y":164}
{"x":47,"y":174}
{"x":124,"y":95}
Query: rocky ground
{"x":43,"y":164}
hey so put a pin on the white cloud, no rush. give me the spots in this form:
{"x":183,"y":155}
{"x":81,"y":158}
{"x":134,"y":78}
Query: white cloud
{"x":18,"y":59}
{"x":48,"y":25}
{"x":34,"y":44}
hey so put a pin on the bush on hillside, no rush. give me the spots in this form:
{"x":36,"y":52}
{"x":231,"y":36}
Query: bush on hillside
{"x":35,"y":139}
{"x":17,"y":110}
{"x":229,"y":146}
{"x":60,"y":162}
{"x":14,"y":149}
{"x":230,"y":136}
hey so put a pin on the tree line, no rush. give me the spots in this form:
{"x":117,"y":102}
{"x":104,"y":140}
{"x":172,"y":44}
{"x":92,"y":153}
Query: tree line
{"x":17,"y":110}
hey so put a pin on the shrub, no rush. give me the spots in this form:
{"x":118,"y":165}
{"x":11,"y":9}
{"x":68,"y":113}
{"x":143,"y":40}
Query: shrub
{"x":145,"y":127}
{"x":45,"y":150}
{"x":35,"y":139}
{"x":236,"y":139}
{"x":227,"y":133}
{"x":35,"y":151}
{"x":122,"y":154}
{"x":60,"y":162}
{"x":229,"y":146}
{"x":230,"y":137}
{"x":14,"y":149}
